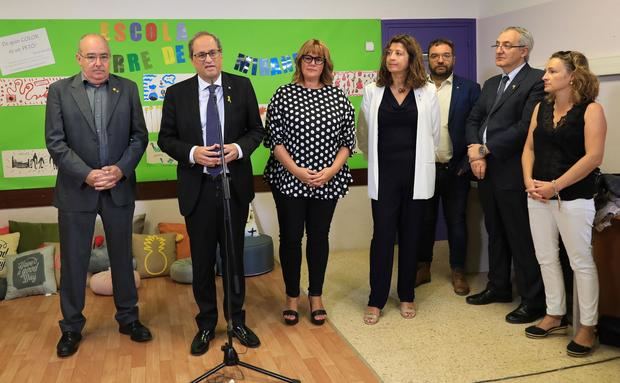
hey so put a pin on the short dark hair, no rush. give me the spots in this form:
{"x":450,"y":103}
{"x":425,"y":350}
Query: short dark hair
{"x":440,"y":41}
{"x":200,"y":34}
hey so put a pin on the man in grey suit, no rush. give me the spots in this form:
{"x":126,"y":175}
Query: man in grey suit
{"x":96,"y":135}
{"x":496,"y":130}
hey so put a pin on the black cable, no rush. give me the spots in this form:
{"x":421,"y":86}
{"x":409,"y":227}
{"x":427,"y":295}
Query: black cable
{"x":547,"y":371}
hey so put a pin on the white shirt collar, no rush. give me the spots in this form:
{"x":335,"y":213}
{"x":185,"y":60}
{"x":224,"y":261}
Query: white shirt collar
{"x":513,"y":73}
{"x":203,"y":85}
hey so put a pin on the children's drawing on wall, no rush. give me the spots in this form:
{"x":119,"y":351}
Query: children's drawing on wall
{"x":262,"y":109}
{"x":154,"y":155}
{"x":25,"y":91}
{"x":152,"y":116}
{"x":155,"y":85}
{"x":28,"y":163}
{"x":352,"y":83}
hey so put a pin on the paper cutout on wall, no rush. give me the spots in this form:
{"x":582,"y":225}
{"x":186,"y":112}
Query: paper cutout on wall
{"x":152,"y":116}
{"x":262,"y":109}
{"x":155,"y":85}
{"x":24,"y":51}
{"x":154,"y":155}
{"x":352,"y":83}
{"x":27,"y":163}
{"x":25,"y":90}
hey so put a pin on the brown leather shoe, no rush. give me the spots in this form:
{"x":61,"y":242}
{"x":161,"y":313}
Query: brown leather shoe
{"x":459,"y":283}
{"x":423,"y":274}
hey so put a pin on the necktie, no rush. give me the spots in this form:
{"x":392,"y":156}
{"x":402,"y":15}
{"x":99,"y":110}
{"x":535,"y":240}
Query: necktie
{"x":213,"y":125}
{"x":500,"y":89}
{"x":498,"y":96}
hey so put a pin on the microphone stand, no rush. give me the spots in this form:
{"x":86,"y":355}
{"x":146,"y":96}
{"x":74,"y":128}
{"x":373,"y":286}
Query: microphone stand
{"x":231,"y":358}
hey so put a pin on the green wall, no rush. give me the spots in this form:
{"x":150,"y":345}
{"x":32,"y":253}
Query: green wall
{"x":22,"y":127}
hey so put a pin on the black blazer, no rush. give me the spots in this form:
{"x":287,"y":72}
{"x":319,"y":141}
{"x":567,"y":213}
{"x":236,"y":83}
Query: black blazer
{"x":73,"y":143}
{"x":181,"y":130}
{"x":465,"y":93}
{"x":508,"y":124}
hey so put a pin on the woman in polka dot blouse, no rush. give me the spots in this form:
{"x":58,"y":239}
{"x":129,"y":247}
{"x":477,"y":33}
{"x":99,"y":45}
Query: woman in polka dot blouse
{"x":311,"y":133}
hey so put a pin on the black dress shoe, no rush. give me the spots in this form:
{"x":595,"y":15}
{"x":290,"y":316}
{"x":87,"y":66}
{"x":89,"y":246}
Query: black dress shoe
{"x":536,"y":332}
{"x":200,"y":344}
{"x":68,"y":344}
{"x":136,"y":330}
{"x":245,"y":335}
{"x":488,"y":296}
{"x":524,"y":314}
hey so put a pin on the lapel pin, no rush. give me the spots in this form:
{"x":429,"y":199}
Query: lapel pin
{"x":513,"y":86}
{"x":115,"y":90}
{"x":228,"y":99}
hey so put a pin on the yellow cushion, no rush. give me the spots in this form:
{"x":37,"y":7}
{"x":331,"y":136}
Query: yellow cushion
{"x":8,"y":246}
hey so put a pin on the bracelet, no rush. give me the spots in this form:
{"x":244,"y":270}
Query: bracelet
{"x":556,"y":192}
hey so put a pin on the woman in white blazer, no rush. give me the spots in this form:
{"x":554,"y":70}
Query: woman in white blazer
{"x":398,"y":132}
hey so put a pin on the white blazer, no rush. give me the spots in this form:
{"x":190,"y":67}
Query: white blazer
{"x":427,"y":138}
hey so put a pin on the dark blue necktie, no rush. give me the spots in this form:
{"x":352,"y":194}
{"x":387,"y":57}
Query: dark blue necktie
{"x":213,"y":127}
{"x":498,"y":96}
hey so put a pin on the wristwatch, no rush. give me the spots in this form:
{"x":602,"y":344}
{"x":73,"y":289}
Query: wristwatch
{"x":483,"y":151}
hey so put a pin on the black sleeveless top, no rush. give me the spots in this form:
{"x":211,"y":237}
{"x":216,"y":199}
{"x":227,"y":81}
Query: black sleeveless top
{"x":557,"y":149}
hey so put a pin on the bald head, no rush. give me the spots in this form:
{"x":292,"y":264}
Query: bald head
{"x":93,"y":56}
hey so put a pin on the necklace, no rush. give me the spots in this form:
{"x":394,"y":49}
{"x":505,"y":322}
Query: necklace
{"x":401,"y":89}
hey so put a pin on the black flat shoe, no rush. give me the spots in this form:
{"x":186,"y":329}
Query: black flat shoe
{"x":68,"y":344}
{"x":536,"y":332}
{"x":488,"y":296}
{"x":576,"y":350}
{"x":137,"y":331}
{"x":246,"y":336}
{"x":200,"y":344}
{"x":290,"y":313}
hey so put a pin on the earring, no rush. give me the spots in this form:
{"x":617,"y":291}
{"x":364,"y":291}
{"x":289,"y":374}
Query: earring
{"x":571,"y":82}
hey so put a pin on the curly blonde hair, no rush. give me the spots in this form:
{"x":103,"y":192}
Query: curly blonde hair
{"x":585,"y":84}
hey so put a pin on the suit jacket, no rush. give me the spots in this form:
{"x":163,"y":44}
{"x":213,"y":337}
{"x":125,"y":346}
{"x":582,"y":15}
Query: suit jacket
{"x":181,"y":130}
{"x":73,"y":143}
{"x":508,"y":123}
{"x":465,"y":93}
{"x":427,"y":138}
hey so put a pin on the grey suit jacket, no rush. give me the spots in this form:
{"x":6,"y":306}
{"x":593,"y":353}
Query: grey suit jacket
{"x":72,"y":140}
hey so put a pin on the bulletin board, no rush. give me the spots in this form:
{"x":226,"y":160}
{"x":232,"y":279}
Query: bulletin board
{"x":154,"y":54}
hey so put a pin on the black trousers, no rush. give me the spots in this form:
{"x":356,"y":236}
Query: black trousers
{"x":205,"y":226}
{"x":507,"y":223}
{"x":293,"y":215}
{"x":453,"y":190}
{"x":395,"y":211}
{"x":76,"y":234}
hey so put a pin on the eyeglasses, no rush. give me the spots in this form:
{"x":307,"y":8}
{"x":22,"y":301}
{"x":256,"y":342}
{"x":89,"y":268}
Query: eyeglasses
{"x":92,"y":58}
{"x":202,"y":56}
{"x":435,"y":56}
{"x":506,"y":46}
{"x":309,"y":59}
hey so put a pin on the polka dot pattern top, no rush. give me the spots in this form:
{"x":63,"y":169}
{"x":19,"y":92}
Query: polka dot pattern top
{"x":312,"y":124}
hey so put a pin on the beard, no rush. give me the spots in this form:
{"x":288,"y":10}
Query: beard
{"x":443,"y":74}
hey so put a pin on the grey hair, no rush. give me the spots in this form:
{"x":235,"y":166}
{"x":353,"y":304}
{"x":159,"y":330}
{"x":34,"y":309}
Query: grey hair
{"x":525,"y":38}
{"x":190,"y":44}
{"x":105,"y":41}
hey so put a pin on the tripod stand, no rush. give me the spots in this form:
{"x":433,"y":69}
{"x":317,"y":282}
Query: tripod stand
{"x":231,"y":358}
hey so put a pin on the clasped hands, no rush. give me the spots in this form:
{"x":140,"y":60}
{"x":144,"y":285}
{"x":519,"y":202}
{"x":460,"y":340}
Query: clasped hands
{"x":477,"y":162}
{"x":105,"y":178}
{"x":209,"y":156}
{"x":539,"y":190}
{"x":313,"y":178}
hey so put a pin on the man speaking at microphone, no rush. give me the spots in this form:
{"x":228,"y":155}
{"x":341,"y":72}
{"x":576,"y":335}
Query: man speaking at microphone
{"x":193,"y":111}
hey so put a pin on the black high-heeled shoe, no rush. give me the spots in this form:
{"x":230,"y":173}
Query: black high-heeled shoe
{"x":315,"y":313}
{"x":290,"y":313}
{"x":536,"y":332}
